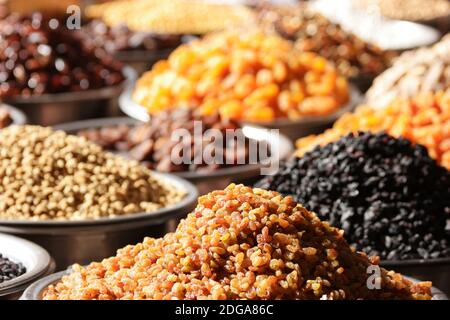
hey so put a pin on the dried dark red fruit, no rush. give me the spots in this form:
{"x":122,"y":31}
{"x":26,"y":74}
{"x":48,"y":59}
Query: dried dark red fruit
{"x":151,"y":142}
{"x":120,"y":38}
{"x":36,"y":59}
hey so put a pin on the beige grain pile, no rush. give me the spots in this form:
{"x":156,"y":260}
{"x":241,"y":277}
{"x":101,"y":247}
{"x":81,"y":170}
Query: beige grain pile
{"x":414,"y":10}
{"x":174,"y":16}
{"x":239,"y":243}
{"x":49,"y":175}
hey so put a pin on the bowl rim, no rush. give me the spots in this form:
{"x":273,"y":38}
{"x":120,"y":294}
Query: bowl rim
{"x":18,"y":117}
{"x":40,"y":255}
{"x":35,"y":290}
{"x":415,"y":262}
{"x":149,"y":56}
{"x":138,"y":112}
{"x":165,"y":213}
{"x":94,"y":94}
{"x":285,"y":146}
{"x":19,"y":289}
{"x":146,"y":56}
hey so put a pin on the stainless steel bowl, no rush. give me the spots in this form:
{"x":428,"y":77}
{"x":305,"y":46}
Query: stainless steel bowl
{"x":36,"y":290}
{"x":290,"y":128}
{"x":91,"y":240}
{"x":17,"y":116}
{"x":49,"y":109}
{"x":131,"y":108}
{"x":36,"y":260}
{"x":435,"y":270}
{"x":141,"y":60}
{"x":388,"y":34}
{"x":205,"y":181}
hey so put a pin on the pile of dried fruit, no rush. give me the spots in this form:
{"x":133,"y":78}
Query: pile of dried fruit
{"x":172,"y":17}
{"x":313,"y":32}
{"x":36,"y":59}
{"x":120,"y":38}
{"x":250,"y":77}
{"x":153,"y":143}
{"x":239,"y":243}
{"x":389,"y":196}
{"x":46,"y":174}
{"x":414,"y":72}
{"x":10,"y":270}
{"x":424,"y":119}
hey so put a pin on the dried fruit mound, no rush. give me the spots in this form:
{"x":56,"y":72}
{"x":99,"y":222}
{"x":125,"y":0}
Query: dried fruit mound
{"x":389,"y":197}
{"x":424,"y":119}
{"x":10,"y":270}
{"x":416,"y":71}
{"x":311,"y":31}
{"x":36,"y":59}
{"x":46,"y":174}
{"x":239,"y":243}
{"x":151,"y":143}
{"x":251,"y":76}
{"x":120,"y":39}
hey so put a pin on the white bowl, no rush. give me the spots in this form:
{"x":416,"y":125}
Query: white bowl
{"x":34,"y":258}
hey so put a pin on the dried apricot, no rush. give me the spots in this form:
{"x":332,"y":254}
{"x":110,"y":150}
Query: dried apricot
{"x":250,"y":77}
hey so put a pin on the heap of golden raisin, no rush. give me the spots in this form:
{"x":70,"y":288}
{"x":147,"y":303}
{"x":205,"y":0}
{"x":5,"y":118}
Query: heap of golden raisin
{"x":251,"y":77}
{"x":239,"y":243}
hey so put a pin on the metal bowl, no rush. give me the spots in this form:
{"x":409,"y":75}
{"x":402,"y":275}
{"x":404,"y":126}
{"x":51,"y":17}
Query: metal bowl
{"x":131,"y":108}
{"x":293,"y":129}
{"x":36,"y":290}
{"x":141,"y":60}
{"x":87,"y":240}
{"x":435,"y":270}
{"x":205,"y":181}
{"x":17,"y":116}
{"x":36,"y":260}
{"x":388,"y":34}
{"x":49,"y":109}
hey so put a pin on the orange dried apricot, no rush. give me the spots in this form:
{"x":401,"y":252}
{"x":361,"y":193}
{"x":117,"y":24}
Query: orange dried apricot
{"x":250,"y":77}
